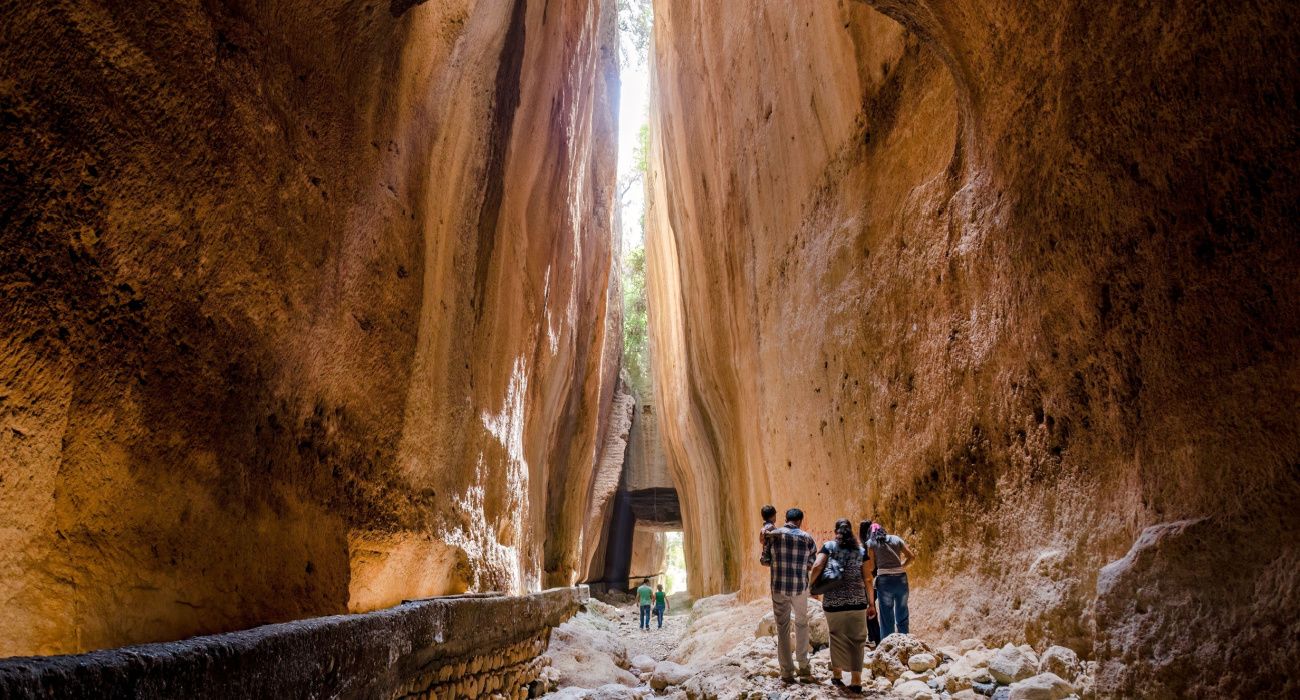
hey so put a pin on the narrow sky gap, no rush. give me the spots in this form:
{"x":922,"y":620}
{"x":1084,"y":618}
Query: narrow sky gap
{"x":633,"y":113}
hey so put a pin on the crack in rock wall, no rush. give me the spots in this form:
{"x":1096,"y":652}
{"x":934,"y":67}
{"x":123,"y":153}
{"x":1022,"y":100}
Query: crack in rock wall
{"x":1019,"y":279}
{"x":308,"y":307}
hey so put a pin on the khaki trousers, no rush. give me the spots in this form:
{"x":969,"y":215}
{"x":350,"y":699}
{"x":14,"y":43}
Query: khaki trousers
{"x":848,"y":630}
{"x":782,"y":606}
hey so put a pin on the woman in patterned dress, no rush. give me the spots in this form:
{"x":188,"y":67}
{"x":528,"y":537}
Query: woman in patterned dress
{"x":847,"y":606}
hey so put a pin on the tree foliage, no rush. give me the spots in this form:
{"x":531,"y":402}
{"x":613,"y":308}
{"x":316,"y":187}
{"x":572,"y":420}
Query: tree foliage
{"x":641,"y":154}
{"x":636,"y":176}
{"x":636,"y":339}
{"x":636,"y":332}
{"x":635,"y":18}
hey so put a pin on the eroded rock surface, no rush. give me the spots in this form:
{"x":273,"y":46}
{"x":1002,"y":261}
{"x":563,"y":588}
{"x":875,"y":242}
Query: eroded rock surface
{"x":1019,"y":279}
{"x":307,"y":307}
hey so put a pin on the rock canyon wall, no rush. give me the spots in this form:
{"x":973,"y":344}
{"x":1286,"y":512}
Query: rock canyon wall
{"x":1021,"y":280}
{"x":307,"y":307}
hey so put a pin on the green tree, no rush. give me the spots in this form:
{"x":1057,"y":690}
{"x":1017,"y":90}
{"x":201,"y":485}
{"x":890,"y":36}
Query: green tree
{"x":636,"y":177}
{"x":636,"y":338}
{"x":635,"y":19}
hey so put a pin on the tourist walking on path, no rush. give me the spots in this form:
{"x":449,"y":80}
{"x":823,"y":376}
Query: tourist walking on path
{"x":793,"y":551}
{"x":661,"y":604}
{"x":848,"y":605}
{"x":892,"y":557}
{"x":644,"y":595}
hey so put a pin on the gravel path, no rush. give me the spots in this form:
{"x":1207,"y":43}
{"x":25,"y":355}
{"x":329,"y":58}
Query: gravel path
{"x":656,"y":643}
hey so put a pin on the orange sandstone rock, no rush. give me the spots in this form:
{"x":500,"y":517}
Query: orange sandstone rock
{"x":1020,"y":280}
{"x":307,"y":307}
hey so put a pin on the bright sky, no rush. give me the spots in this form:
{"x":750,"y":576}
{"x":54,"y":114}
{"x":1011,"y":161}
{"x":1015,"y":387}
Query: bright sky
{"x":634,"y":101}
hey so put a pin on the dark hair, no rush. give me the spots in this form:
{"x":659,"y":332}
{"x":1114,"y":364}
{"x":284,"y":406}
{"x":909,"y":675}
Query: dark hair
{"x":844,"y":534}
{"x":660,"y":586}
{"x":768,"y":512}
{"x":646,"y":581}
{"x":794,"y":515}
{"x":864,"y":530}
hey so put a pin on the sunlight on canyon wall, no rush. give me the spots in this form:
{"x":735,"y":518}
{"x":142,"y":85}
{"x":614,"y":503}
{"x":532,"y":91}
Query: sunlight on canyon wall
{"x":1020,"y":280}
{"x":308,"y":307}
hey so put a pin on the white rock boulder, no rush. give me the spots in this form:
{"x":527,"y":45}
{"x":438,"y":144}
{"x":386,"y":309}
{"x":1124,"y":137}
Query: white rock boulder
{"x":667,"y":674}
{"x":960,"y":675}
{"x":1010,"y":664}
{"x":914,"y":676}
{"x":643,"y":663}
{"x":603,"y":609}
{"x":921,"y":662}
{"x":890,"y":659}
{"x":586,"y":652}
{"x":978,"y":658}
{"x":1062,"y":661}
{"x":914,"y":690}
{"x":1044,"y":686}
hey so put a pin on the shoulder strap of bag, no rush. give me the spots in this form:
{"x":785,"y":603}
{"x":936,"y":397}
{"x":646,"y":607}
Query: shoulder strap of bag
{"x":885,"y":542}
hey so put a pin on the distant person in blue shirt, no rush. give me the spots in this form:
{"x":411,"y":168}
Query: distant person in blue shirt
{"x":645,"y":595}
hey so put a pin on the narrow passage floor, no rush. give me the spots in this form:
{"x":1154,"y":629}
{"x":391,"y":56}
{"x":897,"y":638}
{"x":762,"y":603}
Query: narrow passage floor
{"x":720,"y":648}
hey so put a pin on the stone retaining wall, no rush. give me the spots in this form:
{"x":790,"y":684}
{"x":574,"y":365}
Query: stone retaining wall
{"x":455,"y":647}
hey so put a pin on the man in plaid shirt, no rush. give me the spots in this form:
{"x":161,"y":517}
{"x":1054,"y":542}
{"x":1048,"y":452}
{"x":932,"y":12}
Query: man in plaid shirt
{"x":793,"y":552}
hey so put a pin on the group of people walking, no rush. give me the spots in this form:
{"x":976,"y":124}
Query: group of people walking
{"x":862,"y":579}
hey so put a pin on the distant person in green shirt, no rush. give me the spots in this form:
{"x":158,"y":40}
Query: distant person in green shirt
{"x":661,"y":604}
{"x":644,"y":595}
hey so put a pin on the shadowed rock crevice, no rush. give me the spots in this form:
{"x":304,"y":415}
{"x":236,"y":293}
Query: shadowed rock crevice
{"x":504,"y":105}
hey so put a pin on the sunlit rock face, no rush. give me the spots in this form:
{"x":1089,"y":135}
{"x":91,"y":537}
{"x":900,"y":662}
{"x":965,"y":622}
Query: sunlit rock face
{"x":306,"y":307}
{"x":605,"y":483}
{"x":1020,"y":280}
{"x":649,"y":547}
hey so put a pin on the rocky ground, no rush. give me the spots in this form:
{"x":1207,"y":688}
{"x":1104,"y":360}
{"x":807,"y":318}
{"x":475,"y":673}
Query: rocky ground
{"x":720,"y":648}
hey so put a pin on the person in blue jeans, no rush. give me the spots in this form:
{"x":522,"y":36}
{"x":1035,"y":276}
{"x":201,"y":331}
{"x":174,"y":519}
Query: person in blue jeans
{"x":644,"y":596}
{"x":873,"y":619}
{"x":891,"y":556}
{"x":661,"y":604}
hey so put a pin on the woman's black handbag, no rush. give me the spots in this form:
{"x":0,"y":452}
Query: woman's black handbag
{"x":831,"y":578}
